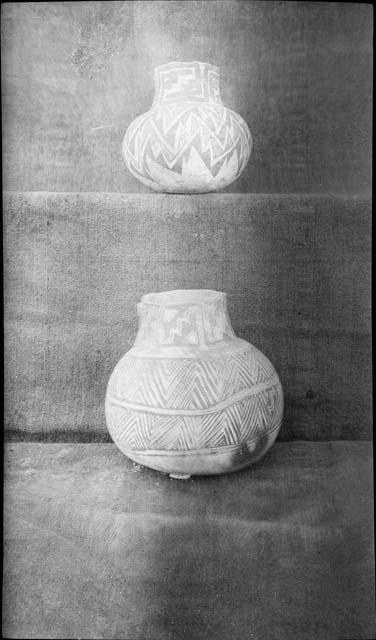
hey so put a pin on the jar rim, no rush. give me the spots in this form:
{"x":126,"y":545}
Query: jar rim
{"x":178,"y":297}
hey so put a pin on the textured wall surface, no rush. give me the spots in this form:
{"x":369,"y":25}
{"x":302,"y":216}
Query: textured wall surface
{"x":295,"y":268}
{"x":75,"y":75}
{"x":95,"y":546}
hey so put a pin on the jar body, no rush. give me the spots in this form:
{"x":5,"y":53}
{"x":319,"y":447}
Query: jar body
{"x":190,"y":397}
{"x":188,"y":142}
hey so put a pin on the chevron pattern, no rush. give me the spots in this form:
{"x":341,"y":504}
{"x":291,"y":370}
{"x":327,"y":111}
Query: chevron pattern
{"x":244,"y":421}
{"x":175,"y":146}
{"x":193,"y":384}
{"x":188,"y":383}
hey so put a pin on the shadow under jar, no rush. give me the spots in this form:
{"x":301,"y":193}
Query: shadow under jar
{"x":190,"y":398}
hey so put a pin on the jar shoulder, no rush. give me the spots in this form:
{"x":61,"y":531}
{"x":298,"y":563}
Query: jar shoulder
{"x":174,"y":111}
{"x":204,"y":381}
{"x":215,"y":354}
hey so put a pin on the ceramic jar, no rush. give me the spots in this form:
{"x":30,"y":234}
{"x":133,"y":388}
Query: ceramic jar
{"x":190,"y":397}
{"x":188,"y":142}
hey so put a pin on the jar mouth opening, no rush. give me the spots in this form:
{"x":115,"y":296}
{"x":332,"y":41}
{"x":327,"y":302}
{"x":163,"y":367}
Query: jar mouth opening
{"x":184,"y":63}
{"x":183,"y":297}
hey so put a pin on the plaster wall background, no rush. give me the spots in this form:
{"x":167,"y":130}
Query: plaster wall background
{"x":295,"y":269}
{"x":295,"y":263}
{"x":75,"y":75}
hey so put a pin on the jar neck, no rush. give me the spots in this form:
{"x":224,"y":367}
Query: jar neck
{"x":186,"y":82}
{"x":167,"y":320}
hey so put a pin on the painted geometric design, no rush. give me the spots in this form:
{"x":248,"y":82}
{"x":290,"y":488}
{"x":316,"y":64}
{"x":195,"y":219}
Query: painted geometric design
{"x":192,"y":325}
{"x":188,"y":141}
{"x":166,"y":394}
{"x":179,"y":145}
{"x":198,"y":81}
{"x":247,"y":420}
{"x":188,"y":383}
{"x":155,"y":386}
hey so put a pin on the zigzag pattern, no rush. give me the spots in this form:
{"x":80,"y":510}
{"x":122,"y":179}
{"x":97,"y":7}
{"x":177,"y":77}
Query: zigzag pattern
{"x":188,"y":383}
{"x":244,"y":421}
{"x":176,"y":137}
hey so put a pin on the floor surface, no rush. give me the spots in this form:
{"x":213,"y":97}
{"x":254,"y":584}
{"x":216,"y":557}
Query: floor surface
{"x":98,"y":547}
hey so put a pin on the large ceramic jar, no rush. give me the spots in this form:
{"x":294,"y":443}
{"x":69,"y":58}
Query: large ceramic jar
{"x":190,"y":397}
{"x":188,"y":142}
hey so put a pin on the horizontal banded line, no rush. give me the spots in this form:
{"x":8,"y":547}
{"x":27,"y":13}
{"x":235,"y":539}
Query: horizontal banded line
{"x":241,"y":395}
{"x":226,"y":448}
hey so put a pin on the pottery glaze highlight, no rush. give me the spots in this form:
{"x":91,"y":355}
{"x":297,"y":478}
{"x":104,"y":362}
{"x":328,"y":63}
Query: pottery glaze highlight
{"x":188,"y":142}
{"x":190,"y":398}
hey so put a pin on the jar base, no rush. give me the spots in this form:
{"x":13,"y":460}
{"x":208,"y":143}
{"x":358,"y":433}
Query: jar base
{"x":222,"y":460}
{"x":179,"y":476}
